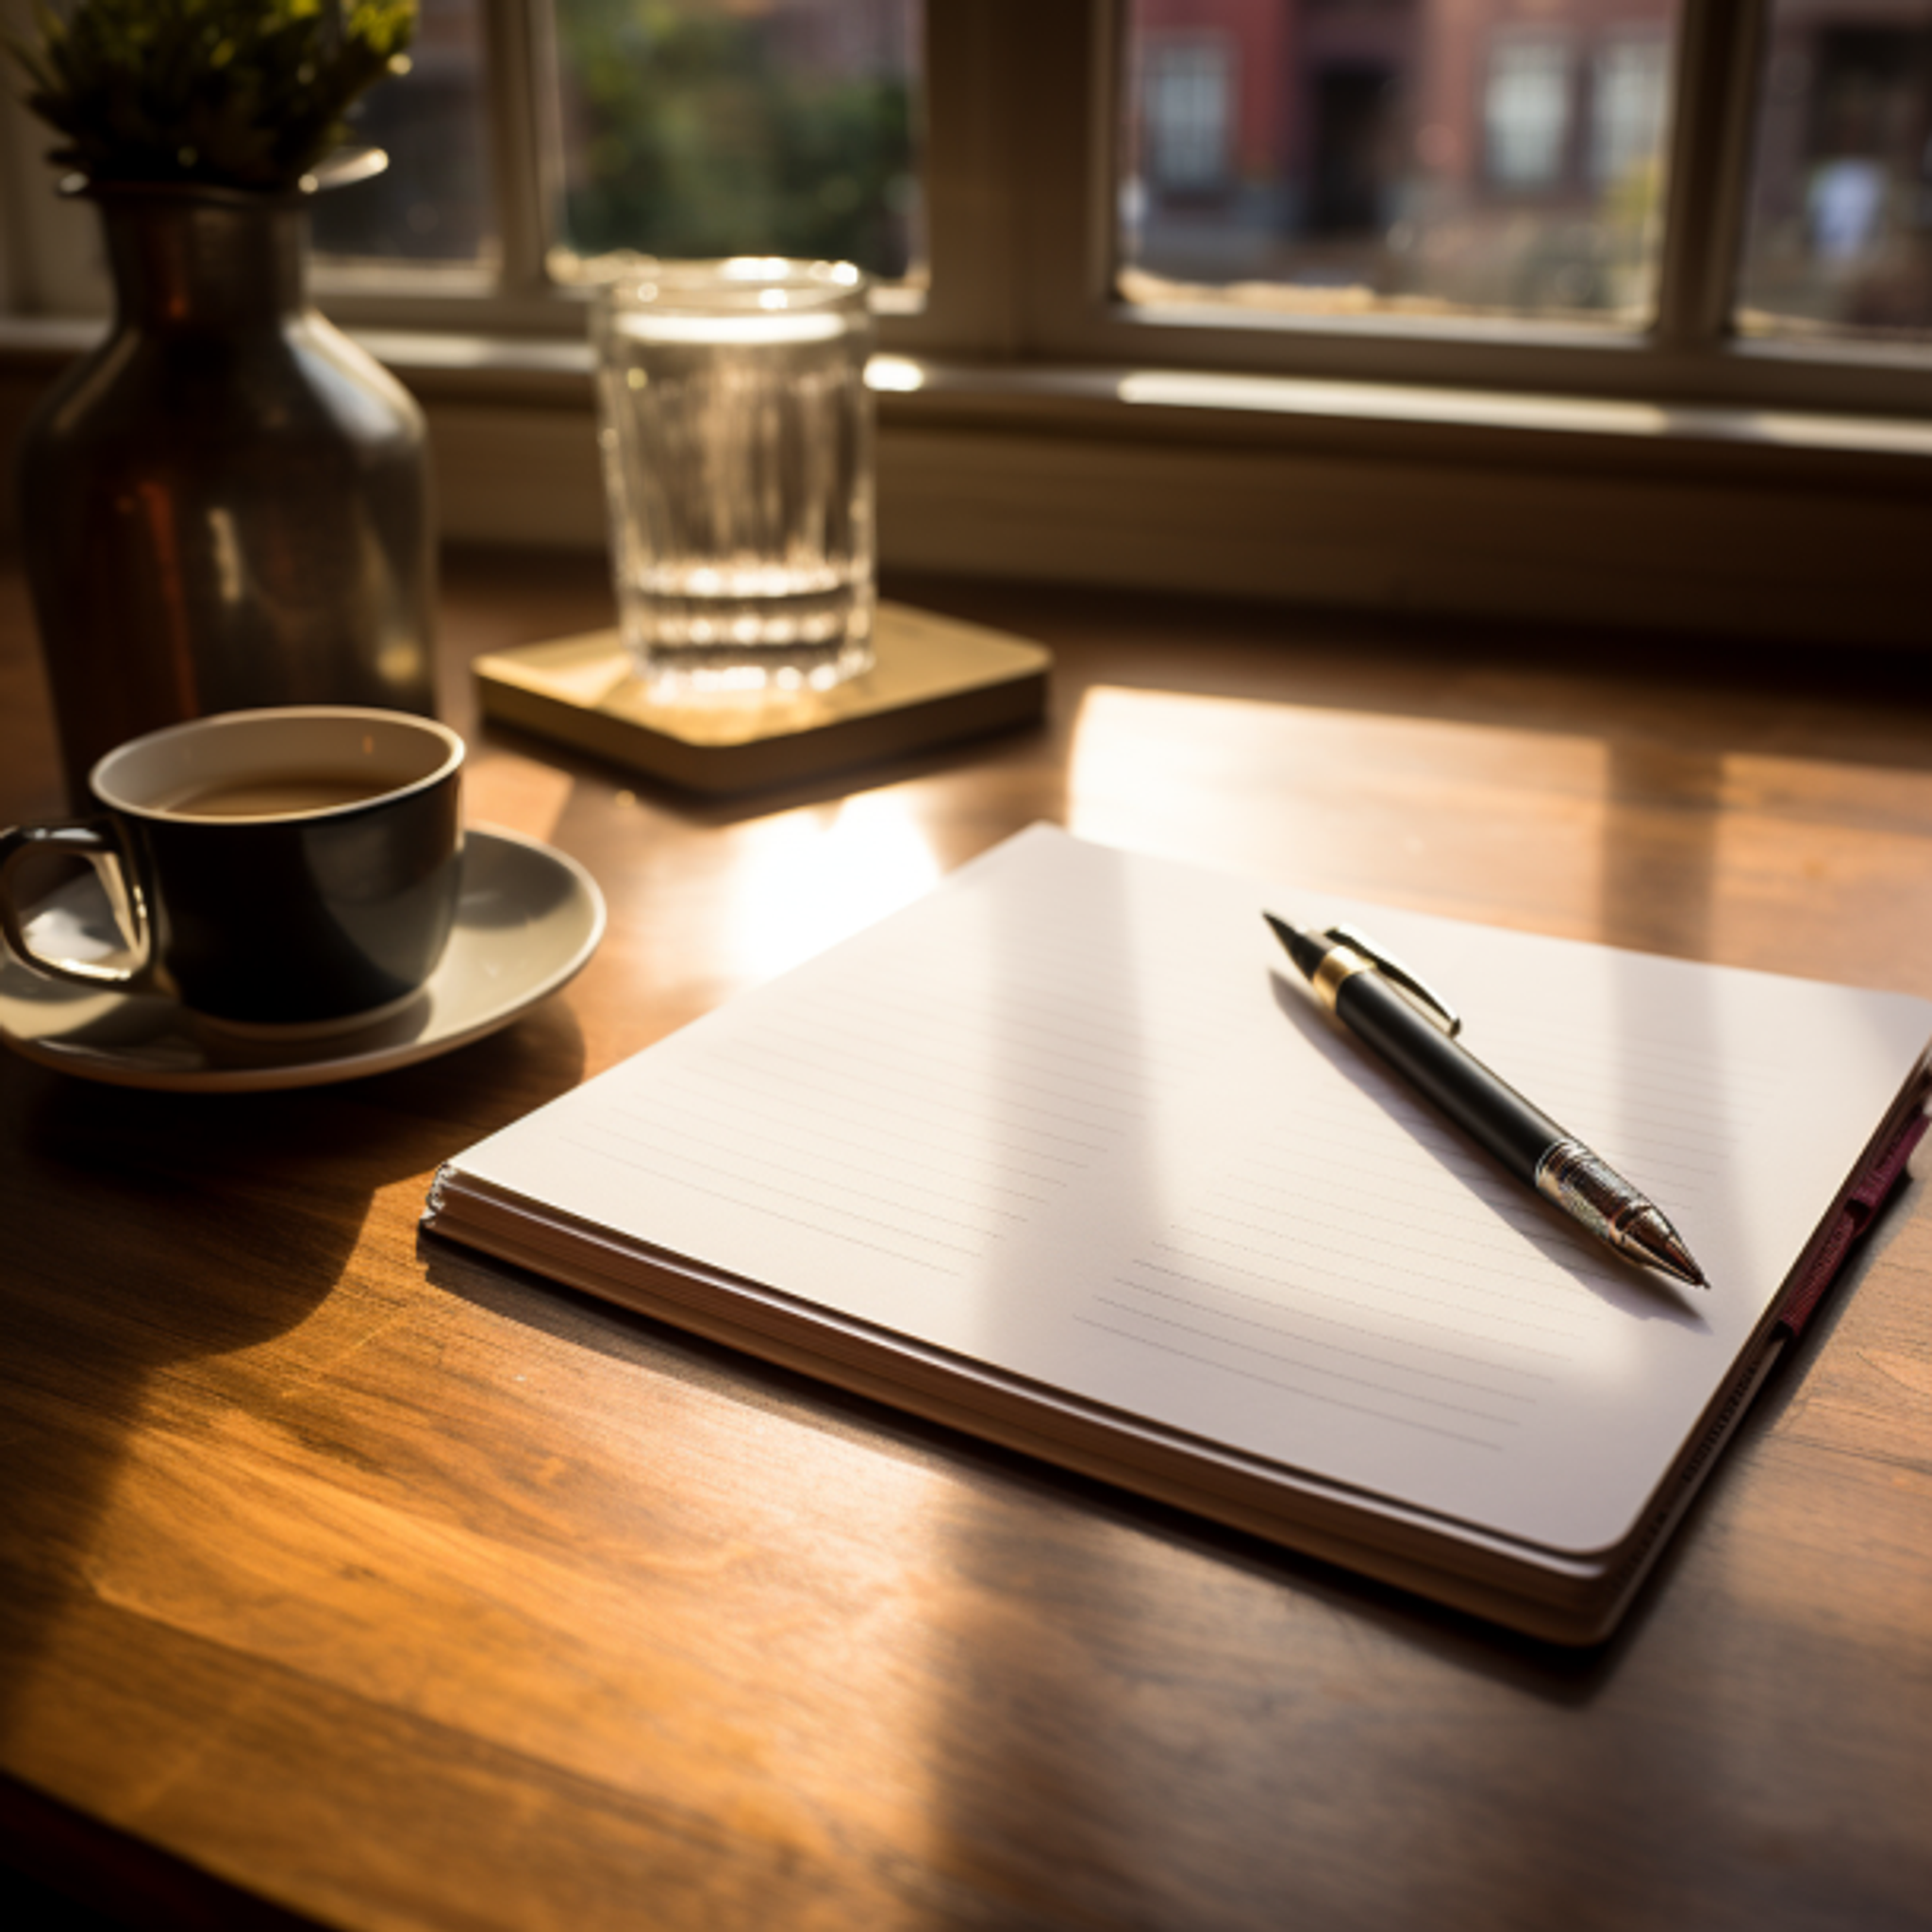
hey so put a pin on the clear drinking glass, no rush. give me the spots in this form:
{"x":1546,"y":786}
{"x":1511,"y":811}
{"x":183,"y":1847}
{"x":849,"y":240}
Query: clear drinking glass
{"x":737,"y":436}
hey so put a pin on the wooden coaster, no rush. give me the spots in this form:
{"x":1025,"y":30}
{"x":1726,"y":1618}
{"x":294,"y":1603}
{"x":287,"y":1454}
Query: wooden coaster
{"x":936,"y":680}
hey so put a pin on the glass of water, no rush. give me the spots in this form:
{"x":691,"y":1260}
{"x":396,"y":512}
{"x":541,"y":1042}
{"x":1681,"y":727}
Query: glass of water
{"x":735,"y":429}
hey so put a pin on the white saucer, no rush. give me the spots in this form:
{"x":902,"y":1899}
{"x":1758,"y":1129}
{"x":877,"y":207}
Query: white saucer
{"x":526,"y":921}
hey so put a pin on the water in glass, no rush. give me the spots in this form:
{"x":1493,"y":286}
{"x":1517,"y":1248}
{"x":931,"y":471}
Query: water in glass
{"x":737,"y":438}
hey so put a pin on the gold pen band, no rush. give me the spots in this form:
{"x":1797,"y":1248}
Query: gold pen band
{"x":1338,"y":963}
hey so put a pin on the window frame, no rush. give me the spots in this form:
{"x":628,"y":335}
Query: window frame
{"x":1688,"y":356}
{"x":1034,"y":425}
{"x":1021,"y":120}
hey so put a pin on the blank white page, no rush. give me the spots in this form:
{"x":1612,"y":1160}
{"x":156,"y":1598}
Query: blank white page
{"x":1075,"y":1116}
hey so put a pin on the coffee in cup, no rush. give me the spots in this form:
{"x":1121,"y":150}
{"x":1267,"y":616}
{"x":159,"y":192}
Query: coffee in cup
{"x":283,"y":867}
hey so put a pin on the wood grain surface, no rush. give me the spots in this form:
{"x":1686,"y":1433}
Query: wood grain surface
{"x":347,"y":1578}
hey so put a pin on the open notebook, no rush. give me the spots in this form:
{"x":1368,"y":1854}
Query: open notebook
{"x":1063,"y":1155}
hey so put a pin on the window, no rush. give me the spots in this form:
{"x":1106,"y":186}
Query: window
{"x":698,"y":129}
{"x":1127,"y":242}
{"x":436,"y":201}
{"x":1839,"y":242}
{"x":1629,"y":93}
{"x":1318,"y":186}
{"x":1526,"y":112}
{"x":1403,"y":157}
{"x":1187,"y":114}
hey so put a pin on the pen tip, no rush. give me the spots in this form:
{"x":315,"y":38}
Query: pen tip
{"x":1303,"y":948}
{"x":1658,"y":1242}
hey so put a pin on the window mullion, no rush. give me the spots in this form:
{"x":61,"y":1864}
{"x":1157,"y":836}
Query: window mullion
{"x":1065,"y":73}
{"x":521,"y":82}
{"x":970,"y":185}
{"x":1718,"y":57}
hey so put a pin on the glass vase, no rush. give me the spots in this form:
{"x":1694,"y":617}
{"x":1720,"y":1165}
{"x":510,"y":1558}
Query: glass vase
{"x":226,"y":504}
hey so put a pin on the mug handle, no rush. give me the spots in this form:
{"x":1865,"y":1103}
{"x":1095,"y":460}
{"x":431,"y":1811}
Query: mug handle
{"x":97,"y":841}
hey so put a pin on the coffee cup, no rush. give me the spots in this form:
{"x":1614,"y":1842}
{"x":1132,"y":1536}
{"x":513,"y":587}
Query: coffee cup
{"x":275,"y":867}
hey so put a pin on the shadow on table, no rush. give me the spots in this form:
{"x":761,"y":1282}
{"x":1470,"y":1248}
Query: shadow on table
{"x":1109,"y":1694}
{"x":154,"y":1238}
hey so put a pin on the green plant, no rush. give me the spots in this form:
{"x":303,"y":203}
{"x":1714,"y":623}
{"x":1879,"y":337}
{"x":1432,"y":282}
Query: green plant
{"x":698,"y":130}
{"x":243,"y":93}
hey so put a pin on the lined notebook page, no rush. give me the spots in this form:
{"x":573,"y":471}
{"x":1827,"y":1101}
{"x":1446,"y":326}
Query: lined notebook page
{"x":1073,"y":1115}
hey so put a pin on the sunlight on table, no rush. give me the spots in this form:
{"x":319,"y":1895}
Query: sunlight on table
{"x":1259,"y":787}
{"x":802,"y":881}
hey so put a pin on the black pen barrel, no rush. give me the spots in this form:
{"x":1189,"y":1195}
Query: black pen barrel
{"x":1491,"y":1111}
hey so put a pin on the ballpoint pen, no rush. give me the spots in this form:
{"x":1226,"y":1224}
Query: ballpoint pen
{"x":1399,"y":1018}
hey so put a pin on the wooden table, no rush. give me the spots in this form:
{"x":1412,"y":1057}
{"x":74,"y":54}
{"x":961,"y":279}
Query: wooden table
{"x":349,"y":1578}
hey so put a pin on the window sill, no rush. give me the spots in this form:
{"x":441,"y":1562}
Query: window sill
{"x":1779,"y":524}
{"x":1163,"y":405}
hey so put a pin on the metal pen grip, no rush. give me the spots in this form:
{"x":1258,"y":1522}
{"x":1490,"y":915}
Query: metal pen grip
{"x":1589,"y":1190}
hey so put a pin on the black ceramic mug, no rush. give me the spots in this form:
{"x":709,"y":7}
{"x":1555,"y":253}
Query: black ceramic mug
{"x":283,"y":867}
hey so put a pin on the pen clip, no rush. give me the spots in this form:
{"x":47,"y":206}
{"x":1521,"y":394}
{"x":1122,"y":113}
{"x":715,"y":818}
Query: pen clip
{"x":1423,"y":995}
